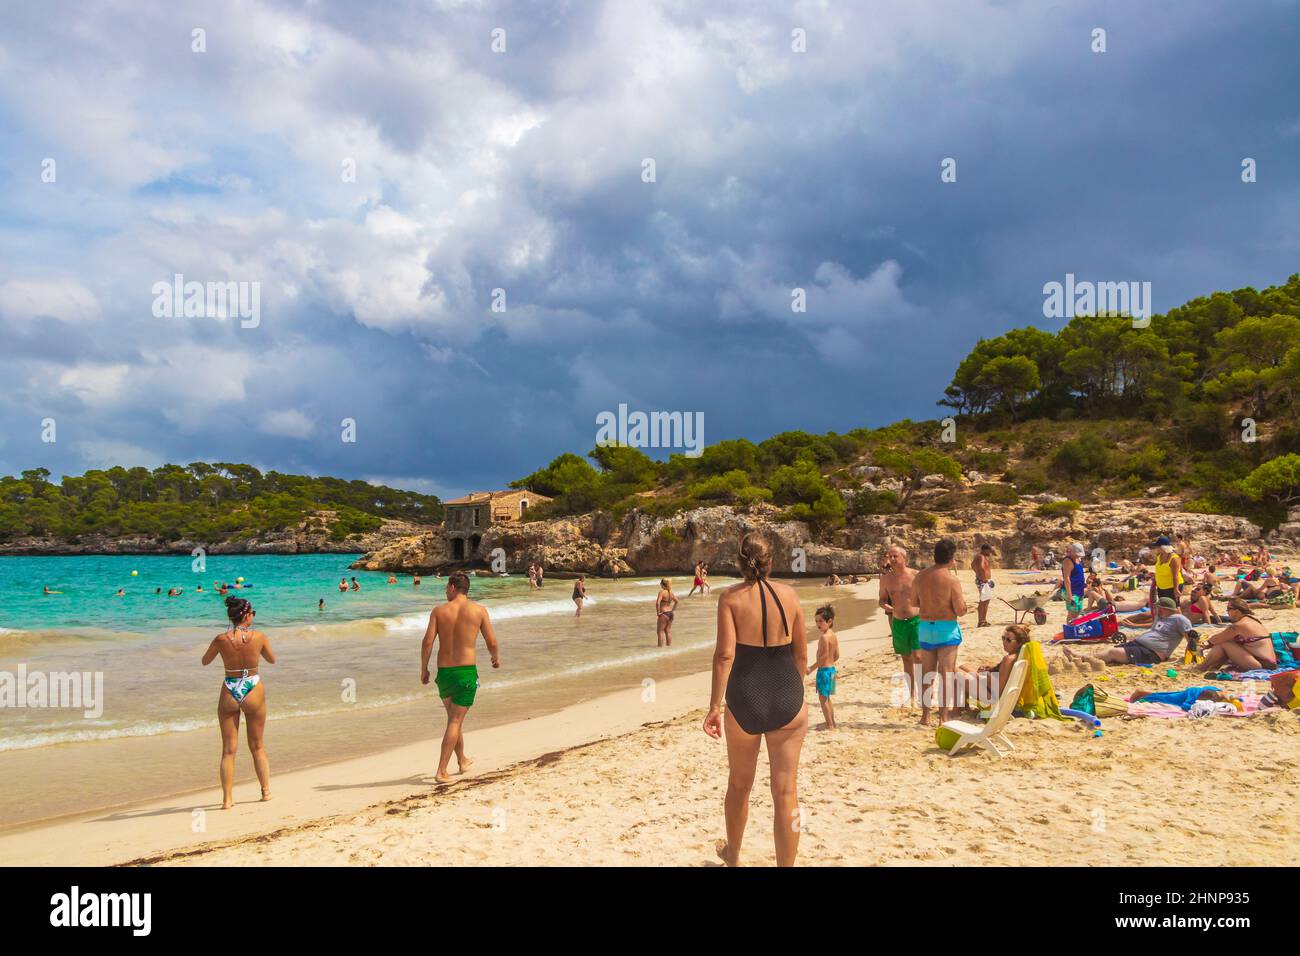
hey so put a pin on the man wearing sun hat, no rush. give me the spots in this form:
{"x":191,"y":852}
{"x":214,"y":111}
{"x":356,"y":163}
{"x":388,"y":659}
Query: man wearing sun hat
{"x":1155,"y":645}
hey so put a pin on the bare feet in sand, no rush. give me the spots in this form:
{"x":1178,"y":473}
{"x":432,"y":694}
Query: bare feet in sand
{"x":442,"y":777}
{"x":465,"y":764}
{"x":266,"y":795}
{"x":227,"y":805}
{"x":724,"y":853}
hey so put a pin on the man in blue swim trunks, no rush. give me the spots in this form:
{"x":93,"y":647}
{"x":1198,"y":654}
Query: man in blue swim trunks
{"x":938,"y":594}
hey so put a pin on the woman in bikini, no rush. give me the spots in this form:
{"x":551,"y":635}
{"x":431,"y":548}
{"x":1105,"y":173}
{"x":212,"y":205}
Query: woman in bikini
{"x":242,"y":690}
{"x":665,"y":606}
{"x":759,"y":663}
{"x":1199,"y":607}
{"x":1246,"y":644}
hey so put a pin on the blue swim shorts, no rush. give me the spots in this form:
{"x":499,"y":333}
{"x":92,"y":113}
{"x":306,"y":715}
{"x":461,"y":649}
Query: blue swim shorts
{"x":933,"y":635}
{"x":825,"y":681}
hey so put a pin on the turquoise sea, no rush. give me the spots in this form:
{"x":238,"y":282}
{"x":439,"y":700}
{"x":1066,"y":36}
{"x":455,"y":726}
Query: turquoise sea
{"x":285,"y":590}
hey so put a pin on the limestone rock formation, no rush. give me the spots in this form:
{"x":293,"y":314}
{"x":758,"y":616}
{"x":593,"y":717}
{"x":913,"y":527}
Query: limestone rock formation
{"x":645,"y":544}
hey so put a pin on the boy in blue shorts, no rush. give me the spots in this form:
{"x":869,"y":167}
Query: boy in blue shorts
{"x":828,"y":652}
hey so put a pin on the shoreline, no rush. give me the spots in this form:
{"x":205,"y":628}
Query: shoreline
{"x":163,"y":826}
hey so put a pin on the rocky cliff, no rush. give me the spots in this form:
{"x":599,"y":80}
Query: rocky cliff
{"x":641,"y":544}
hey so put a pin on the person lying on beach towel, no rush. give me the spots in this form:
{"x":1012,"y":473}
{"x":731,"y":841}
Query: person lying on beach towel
{"x":1152,"y":646}
{"x":1096,"y":594}
{"x":1245,"y":643}
{"x":1182,"y":699}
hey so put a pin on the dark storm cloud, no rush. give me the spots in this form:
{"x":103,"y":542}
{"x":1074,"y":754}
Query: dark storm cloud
{"x":521,"y":171}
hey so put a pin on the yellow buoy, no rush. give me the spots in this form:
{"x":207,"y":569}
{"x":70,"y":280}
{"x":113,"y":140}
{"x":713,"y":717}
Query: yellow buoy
{"x":135,"y":574}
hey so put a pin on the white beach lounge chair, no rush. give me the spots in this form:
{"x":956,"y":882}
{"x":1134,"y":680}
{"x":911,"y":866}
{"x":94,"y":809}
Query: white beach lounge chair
{"x":989,"y":735}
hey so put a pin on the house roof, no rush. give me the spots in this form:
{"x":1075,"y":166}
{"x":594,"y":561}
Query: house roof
{"x":481,"y":497}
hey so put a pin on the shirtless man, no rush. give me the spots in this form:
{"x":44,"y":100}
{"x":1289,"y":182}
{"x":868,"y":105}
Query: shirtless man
{"x":456,"y":626}
{"x":896,"y":598}
{"x":982,"y":565}
{"x":938,"y":594}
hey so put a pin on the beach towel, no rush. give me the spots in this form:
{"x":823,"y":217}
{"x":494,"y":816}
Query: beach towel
{"x":1037,"y":697}
{"x":1249,"y":702}
{"x":1282,"y":644}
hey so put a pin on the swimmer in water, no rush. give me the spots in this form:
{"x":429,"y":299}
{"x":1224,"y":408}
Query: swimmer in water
{"x":321,"y":605}
{"x":121,"y":592}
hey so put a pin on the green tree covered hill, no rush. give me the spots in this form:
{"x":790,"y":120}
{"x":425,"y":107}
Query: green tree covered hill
{"x":1203,"y":402}
{"x":202,"y":502}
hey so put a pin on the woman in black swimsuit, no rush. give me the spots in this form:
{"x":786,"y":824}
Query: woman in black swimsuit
{"x":579,"y":594}
{"x":761,"y":656}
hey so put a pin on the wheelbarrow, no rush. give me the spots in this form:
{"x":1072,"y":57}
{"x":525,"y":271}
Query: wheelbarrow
{"x":1035,"y":604}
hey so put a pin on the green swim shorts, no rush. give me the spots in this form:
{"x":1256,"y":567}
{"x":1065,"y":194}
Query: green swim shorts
{"x":905,"y":632}
{"x":458,"y":683}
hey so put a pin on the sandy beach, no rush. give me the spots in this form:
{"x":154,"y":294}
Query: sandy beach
{"x":630,"y":779}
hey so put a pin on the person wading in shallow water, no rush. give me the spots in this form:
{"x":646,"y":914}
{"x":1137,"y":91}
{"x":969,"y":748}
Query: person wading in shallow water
{"x":665,"y":609}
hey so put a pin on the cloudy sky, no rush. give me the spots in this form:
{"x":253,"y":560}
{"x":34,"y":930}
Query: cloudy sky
{"x":522,"y":170}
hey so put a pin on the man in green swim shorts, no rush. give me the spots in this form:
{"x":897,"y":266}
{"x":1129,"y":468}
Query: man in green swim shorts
{"x":456,"y":626}
{"x":458,"y":684}
{"x":896,"y":599}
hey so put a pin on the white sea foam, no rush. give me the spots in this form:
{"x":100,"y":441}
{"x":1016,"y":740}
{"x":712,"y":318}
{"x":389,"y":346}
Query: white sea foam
{"x":93,"y":732}
{"x":513,"y":609}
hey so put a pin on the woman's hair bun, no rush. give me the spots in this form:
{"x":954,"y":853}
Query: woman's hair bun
{"x":755,"y":557}
{"x":236,"y":608}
